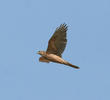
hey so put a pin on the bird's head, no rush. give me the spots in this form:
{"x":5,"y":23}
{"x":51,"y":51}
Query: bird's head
{"x":41,"y":53}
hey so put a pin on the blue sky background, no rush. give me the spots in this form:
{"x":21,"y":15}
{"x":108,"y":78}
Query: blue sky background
{"x":25,"y":28}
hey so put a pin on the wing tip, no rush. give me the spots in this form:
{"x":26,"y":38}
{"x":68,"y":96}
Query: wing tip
{"x":62,"y":27}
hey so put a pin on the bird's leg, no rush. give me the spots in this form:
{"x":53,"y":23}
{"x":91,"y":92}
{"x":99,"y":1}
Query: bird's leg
{"x":43,"y":59}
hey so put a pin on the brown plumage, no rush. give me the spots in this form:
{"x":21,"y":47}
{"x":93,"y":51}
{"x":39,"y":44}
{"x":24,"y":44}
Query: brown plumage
{"x":56,"y":46}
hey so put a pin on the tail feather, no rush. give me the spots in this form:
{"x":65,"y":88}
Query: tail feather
{"x":74,"y":66}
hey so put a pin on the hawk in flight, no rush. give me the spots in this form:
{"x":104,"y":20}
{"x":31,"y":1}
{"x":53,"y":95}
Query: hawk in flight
{"x":56,"y":46}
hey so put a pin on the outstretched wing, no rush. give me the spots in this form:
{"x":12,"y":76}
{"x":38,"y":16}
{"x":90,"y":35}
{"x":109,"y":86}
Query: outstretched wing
{"x":57,"y":42}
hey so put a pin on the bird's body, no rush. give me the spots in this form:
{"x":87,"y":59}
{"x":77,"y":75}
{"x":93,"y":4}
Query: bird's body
{"x":53,"y":58}
{"x":56,"y":46}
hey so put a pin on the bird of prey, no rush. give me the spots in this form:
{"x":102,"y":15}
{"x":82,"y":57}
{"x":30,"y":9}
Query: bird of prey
{"x":56,"y":46}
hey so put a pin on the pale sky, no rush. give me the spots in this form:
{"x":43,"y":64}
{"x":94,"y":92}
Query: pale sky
{"x":25,"y":28}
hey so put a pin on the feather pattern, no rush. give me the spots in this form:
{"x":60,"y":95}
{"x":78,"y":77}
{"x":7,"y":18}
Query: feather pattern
{"x":58,"y":41}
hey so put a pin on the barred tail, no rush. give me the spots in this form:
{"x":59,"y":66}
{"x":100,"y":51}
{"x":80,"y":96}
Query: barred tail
{"x":74,"y":66}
